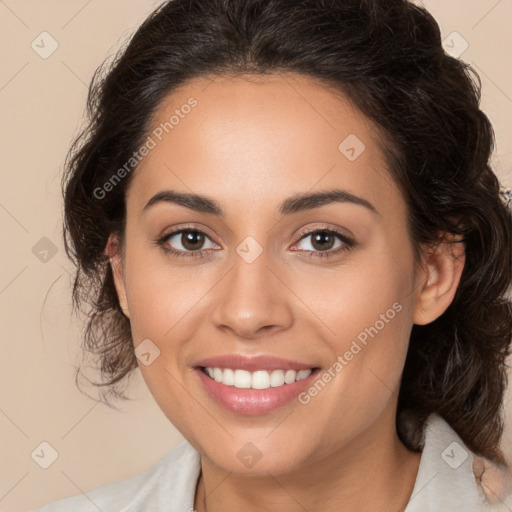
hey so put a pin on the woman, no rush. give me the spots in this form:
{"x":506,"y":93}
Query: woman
{"x":283,"y":213}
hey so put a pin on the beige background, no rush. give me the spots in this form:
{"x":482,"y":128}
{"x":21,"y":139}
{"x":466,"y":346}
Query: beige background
{"x":42,"y":102}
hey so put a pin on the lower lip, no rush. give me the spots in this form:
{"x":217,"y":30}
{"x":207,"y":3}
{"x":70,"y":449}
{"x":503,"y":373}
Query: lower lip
{"x":253,"y":402}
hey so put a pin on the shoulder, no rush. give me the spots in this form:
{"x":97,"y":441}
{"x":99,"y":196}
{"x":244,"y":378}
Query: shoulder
{"x":170,"y":480}
{"x":446,"y":479}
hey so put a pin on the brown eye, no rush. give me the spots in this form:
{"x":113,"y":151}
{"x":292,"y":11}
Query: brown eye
{"x":322,"y":240}
{"x":186,"y":241}
{"x":192,"y":240}
{"x":324,"y":243}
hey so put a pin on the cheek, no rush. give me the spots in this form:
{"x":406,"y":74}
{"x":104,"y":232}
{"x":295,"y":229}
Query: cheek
{"x":160,"y":294}
{"x":371,"y":318}
{"x":369,"y":297}
{"x":368,"y":310}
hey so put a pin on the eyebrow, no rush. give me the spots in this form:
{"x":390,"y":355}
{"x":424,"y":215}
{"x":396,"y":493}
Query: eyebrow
{"x":294,"y":204}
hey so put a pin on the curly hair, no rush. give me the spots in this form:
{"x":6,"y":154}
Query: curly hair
{"x":387,"y":58}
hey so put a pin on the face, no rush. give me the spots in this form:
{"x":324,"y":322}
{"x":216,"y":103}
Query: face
{"x":257,"y":269}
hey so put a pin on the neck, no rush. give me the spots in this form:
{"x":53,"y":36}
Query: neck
{"x":375,"y":472}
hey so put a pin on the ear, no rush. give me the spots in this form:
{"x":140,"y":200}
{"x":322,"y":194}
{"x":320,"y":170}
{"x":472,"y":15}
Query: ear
{"x":113,"y":251}
{"x":439,"y":278}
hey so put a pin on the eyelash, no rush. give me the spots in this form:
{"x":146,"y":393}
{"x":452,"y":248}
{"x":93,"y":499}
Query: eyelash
{"x":348,"y":243}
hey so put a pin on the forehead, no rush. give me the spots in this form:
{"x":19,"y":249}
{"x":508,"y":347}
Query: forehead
{"x":263,"y":138}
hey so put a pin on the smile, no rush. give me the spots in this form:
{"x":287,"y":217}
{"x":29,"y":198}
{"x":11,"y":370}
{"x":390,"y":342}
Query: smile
{"x":254,"y":392}
{"x":259,"y":379}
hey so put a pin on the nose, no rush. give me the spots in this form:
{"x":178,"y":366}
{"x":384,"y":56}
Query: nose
{"x":252,"y":300}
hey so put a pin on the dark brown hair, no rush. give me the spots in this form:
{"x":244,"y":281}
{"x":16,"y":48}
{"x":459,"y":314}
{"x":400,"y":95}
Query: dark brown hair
{"x":387,"y":57}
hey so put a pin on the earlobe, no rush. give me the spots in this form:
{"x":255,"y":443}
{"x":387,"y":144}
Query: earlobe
{"x":440,"y":278}
{"x":113,"y":251}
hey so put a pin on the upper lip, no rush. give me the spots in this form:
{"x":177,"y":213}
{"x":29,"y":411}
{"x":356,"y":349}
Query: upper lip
{"x":252,"y":363}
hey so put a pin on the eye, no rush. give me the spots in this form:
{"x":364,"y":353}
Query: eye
{"x":318,"y":243}
{"x":325,"y":242}
{"x":186,"y":242}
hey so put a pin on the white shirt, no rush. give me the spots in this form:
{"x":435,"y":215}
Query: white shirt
{"x":445,"y":482}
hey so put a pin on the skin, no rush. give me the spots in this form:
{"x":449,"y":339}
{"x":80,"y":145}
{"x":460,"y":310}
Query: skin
{"x":249,"y":144}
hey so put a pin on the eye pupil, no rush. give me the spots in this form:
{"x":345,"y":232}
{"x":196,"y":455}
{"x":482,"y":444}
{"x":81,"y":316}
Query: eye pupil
{"x":192,"y":239}
{"x":320,"y":238}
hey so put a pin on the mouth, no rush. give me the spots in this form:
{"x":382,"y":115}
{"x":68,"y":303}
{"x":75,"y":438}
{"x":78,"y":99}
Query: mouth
{"x":259,"y":379}
{"x":254,"y":393}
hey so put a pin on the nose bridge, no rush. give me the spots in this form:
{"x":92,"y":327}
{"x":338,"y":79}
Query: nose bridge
{"x":251,"y":296}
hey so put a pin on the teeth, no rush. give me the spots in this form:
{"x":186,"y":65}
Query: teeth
{"x":302,"y":374}
{"x":260,"y":379}
{"x":289,"y":376}
{"x":277,"y":378}
{"x":242,"y":379}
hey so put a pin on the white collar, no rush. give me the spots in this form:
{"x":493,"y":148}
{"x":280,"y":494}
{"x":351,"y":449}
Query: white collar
{"x":445,"y":481}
